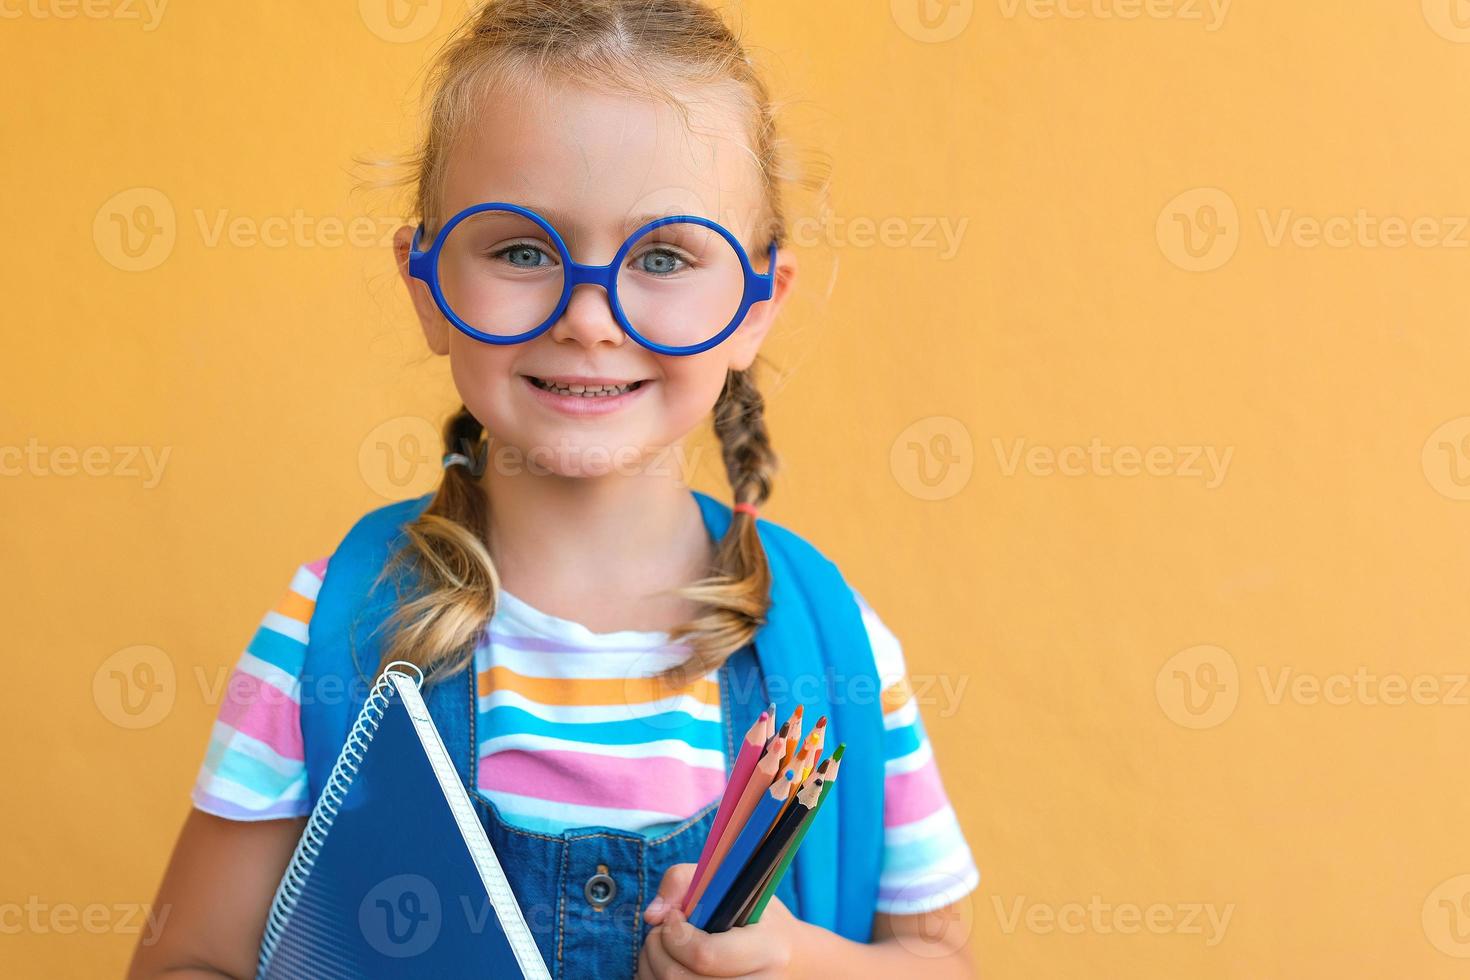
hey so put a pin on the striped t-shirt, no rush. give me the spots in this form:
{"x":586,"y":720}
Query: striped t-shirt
{"x":564,"y":724}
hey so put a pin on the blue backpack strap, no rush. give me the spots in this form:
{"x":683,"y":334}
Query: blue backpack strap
{"x":813,"y":650}
{"x":345,"y":642}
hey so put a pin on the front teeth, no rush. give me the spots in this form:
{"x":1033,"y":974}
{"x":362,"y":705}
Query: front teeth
{"x":585,"y":391}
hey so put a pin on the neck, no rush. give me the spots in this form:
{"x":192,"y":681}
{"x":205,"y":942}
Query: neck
{"x":595,"y":543}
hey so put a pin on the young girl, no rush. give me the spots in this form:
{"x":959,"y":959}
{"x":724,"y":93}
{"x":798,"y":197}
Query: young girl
{"x":602,"y":631}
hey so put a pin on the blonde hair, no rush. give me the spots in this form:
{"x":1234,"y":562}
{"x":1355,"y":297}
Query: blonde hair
{"x":641,"y":47}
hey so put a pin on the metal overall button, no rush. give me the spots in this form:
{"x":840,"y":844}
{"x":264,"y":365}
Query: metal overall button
{"x":600,"y":889}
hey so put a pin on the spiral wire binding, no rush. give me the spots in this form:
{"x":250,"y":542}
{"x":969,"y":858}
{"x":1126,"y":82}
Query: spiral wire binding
{"x":288,"y":893}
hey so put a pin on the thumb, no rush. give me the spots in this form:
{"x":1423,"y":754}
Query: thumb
{"x":670,"y":892}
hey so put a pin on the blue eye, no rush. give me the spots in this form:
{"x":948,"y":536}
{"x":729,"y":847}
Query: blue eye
{"x":660,"y":262}
{"x":524,"y":255}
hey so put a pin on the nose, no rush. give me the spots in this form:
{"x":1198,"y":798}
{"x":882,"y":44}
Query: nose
{"x":588,"y":319}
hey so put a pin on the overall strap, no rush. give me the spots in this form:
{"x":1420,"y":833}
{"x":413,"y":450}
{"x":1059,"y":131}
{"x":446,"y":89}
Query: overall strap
{"x":813,"y":650}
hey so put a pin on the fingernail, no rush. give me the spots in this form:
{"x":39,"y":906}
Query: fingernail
{"x":657,"y":906}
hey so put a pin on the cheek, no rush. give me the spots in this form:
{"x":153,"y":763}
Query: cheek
{"x":482,"y":375}
{"x":691,"y":387}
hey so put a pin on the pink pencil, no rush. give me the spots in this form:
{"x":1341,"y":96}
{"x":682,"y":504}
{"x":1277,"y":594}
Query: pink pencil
{"x":750,"y":751}
{"x":755,"y":787}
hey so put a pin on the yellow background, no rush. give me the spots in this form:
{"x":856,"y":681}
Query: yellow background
{"x":1089,"y":766}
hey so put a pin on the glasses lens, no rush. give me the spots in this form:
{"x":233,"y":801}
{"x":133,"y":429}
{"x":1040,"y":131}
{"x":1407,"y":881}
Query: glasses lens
{"x":500,"y":273}
{"x":680,"y":284}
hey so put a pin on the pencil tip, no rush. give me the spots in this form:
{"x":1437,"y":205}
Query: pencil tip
{"x":838,"y":753}
{"x":821,"y":721}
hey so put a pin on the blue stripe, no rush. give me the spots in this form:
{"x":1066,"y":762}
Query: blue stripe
{"x":505,"y":719}
{"x":919,"y":855}
{"x":223,"y":763}
{"x":899,"y":742}
{"x":278,"y":650}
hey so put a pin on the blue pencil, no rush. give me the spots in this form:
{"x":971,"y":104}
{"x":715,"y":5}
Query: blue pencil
{"x":749,"y":838}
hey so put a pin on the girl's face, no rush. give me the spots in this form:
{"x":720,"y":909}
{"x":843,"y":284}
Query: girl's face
{"x":593,"y":164}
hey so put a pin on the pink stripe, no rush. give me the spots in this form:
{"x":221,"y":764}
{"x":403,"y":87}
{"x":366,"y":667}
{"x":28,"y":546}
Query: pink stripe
{"x":318,"y":567}
{"x":912,"y":796}
{"x":264,"y":712}
{"x":660,"y":783}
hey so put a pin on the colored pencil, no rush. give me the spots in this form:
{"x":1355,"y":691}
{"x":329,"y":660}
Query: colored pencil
{"x":826,"y":771}
{"x":780,"y":871}
{"x":801,"y":764}
{"x":747,"y":883}
{"x":749,"y":839}
{"x":750,"y":750}
{"x":793,"y":738}
{"x":761,"y":778}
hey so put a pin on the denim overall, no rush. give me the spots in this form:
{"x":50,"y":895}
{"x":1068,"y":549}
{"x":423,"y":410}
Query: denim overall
{"x":583,"y":891}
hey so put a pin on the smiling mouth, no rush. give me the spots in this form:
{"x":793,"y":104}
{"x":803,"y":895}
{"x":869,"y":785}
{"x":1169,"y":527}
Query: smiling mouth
{"x":584,"y":390}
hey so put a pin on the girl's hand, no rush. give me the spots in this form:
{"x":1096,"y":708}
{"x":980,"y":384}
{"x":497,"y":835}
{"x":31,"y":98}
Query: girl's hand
{"x":675,"y":950}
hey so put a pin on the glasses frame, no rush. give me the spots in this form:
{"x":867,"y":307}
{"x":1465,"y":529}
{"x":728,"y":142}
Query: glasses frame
{"x":424,"y":265}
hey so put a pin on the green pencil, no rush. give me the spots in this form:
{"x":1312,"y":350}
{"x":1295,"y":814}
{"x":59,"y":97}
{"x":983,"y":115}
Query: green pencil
{"x":776,"y":876}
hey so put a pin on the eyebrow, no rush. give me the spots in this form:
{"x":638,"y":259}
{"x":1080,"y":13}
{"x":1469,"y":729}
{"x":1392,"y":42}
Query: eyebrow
{"x":559,"y":219}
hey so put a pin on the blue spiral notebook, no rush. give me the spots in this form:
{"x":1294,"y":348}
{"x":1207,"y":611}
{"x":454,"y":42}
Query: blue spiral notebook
{"x":394,"y":876}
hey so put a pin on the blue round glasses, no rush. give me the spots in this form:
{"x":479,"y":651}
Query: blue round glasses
{"x":503,"y":275}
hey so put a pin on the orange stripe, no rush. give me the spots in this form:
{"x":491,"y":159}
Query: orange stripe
{"x":583,"y":691}
{"x":294,"y":605}
{"x":897,"y":694}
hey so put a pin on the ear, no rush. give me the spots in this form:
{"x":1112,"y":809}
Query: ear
{"x":746,"y":342}
{"x":436,"y":328}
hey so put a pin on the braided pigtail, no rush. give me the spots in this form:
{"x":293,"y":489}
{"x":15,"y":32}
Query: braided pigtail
{"x":738,"y":593}
{"x":437,"y":626}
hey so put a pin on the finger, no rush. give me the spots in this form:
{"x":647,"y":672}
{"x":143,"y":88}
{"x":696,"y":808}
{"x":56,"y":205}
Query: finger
{"x":670,"y":892}
{"x":659,"y":964}
{"x":740,"y":952}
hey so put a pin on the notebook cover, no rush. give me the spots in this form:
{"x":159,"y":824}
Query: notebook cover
{"x":401,"y":885}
